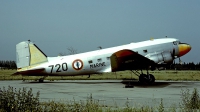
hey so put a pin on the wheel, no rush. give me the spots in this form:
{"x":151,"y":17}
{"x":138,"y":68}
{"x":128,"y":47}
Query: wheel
{"x":142,"y":78}
{"x":151,"y":78}
{"x":41,"y":80}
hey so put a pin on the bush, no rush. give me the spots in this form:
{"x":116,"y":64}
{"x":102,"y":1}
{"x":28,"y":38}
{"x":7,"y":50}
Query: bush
{"x":189,"y":101}
{"x":13,"y":100}
{"x":161,"y":106}
{"x":72,"y":106}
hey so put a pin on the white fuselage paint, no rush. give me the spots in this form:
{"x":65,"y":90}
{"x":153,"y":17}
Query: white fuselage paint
{"x":98,"y":61}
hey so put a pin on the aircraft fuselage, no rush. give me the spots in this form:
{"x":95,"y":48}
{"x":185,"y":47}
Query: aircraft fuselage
{"x":99,"y":61}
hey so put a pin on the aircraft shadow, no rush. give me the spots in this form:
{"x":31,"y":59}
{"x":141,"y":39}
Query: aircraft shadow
{"x":76,"y":82}
{"x":134,"y":83}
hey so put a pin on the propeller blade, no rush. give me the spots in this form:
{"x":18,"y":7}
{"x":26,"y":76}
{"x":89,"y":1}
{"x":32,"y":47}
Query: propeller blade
{"x":173,"y":57}
{"x":180,"y":62}
{"x":173,"y":53}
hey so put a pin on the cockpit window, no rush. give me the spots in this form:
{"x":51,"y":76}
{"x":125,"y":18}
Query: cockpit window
{"x":176,"y":42}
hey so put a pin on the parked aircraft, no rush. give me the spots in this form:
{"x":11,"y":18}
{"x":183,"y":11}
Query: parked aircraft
{"x":145,"y":55}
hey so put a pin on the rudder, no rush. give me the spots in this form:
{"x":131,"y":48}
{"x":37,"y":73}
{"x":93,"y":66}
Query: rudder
{"x":28,"y":54}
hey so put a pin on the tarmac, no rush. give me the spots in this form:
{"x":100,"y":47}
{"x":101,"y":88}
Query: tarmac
{"x":109,"y":92}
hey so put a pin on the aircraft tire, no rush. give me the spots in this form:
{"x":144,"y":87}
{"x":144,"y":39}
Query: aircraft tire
{"x":142,"y":78}
{"x":151,"y":78}
{"x":41,"y":80}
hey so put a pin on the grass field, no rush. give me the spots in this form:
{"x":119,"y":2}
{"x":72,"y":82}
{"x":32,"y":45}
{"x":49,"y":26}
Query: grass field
{"x":159,"y":75}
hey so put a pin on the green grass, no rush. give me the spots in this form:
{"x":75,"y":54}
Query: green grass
{"x":187,"y":75}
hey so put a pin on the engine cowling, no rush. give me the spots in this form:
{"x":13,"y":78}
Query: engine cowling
{"x":165,"y":57}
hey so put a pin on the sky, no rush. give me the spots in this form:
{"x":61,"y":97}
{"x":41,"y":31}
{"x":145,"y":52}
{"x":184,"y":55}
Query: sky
{"x":84,"y":25}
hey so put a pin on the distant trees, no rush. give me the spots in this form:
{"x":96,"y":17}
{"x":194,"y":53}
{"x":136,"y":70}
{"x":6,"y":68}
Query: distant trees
{"x":5,"y":64}
{"x":70,"y":51}
{"x":184,"y":66}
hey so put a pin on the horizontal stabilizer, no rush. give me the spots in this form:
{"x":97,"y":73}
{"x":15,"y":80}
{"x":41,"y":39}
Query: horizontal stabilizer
{"x":31,"y":72}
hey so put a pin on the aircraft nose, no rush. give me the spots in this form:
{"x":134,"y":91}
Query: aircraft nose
{"x":184,"y":49}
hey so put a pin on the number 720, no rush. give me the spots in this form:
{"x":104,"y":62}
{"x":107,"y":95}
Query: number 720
{"x":59,"y":67}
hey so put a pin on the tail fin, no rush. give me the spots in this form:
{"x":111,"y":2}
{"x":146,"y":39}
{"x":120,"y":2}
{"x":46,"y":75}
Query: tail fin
{"x":28,"y":54}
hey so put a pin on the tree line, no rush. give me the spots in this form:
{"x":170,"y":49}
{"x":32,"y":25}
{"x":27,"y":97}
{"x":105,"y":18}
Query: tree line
{"x":5,"y":64}
{"x":184,"y":66}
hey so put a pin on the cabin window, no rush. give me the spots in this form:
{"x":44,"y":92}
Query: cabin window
{"x":90,"y":62}
{"x":145,"y":51}
{"x":99,"y":60}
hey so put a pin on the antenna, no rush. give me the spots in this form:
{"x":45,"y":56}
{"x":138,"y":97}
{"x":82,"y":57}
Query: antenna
{"x":100,"y":47}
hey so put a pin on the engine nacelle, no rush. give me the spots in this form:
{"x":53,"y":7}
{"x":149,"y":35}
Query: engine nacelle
{"x":165,"y":57}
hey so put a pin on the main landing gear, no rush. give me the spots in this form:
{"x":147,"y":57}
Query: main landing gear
{"x":145,"y":78}
{"x":41,"y":80}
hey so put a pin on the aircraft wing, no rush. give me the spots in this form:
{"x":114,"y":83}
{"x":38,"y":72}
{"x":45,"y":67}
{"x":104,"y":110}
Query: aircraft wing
{"x":130,"y":60}
{"x":31,"y":72}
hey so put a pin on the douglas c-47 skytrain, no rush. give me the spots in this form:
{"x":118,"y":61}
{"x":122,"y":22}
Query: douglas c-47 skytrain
{"x":145,"y":55}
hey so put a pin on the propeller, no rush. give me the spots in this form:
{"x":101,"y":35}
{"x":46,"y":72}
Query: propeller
{"x":173,"y":56}
{"x":180,"y":62}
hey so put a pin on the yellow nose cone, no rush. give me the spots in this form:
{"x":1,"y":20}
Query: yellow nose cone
{"x":184,"y":49}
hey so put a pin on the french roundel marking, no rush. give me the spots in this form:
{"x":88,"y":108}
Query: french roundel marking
{"x":77,"y":64}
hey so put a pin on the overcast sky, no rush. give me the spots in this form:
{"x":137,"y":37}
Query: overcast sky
{"x":84,"y":25}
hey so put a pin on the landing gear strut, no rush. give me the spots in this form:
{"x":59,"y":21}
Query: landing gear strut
{"x":145,"y":78}
{"x":149,"y":78}
{"x":41,"y":80}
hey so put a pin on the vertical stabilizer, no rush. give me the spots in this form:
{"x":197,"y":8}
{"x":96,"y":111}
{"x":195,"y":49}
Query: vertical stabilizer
{"x":29,"y":54}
